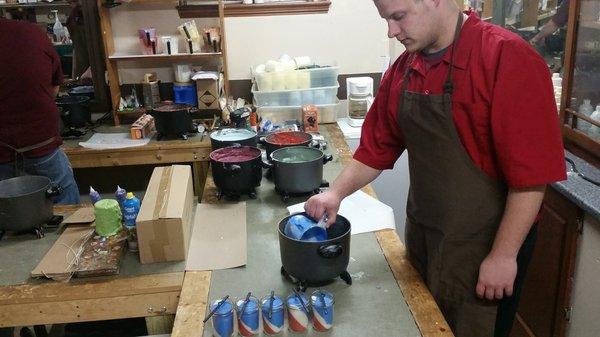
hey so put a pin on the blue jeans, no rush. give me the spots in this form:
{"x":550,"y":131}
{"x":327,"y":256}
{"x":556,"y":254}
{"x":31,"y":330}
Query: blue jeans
{"x":55,"y":166}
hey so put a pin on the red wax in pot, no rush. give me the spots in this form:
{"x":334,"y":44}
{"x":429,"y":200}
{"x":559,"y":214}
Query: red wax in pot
{"x":235,"y":154}
{"x":288,"y":138}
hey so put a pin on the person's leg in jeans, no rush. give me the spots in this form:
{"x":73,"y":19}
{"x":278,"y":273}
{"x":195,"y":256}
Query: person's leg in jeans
{"x":57,"y":168}
{"x":507,"y":307}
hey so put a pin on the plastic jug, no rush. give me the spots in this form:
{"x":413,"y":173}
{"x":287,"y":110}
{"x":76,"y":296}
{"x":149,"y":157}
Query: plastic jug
{"x":131,"y":208}
{"x":303,"y":228}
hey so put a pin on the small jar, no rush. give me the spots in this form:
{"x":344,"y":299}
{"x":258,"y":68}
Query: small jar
{"x":248,"y":320}
{"x":222,"y":319}
{"x":298,"y":312}
{"x":273,"y":315}
{"x":322,"y":302}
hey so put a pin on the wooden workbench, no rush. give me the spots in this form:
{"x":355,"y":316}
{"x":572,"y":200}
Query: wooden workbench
{"x":195,"y":151}
{"x":186,"y":293}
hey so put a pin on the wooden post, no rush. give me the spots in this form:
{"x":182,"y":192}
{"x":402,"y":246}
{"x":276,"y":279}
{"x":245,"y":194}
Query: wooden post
{"x":111,"y":66}
{"x":530,"y":13}
{"x":487,"y":9}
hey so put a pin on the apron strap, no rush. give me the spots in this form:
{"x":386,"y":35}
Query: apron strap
{"x":20,"y":151}
{"x":448,"y":85}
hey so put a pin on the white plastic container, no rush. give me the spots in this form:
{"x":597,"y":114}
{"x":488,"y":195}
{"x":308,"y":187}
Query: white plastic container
{"x":318,"y":96}
{"x":183,"y":72}
{"x":327,"y":112}
{"x":326,"y":76}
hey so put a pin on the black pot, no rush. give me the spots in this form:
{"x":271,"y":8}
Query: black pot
{"x":26,"y":202}
{"x":236,"y":170}
{"x":228,"y":137}
{"x":82,"y":90}
{"x":316,"y":262}
{"x":298,"y":169}
{"x":283,"y":139}
{"x":75,"y":111}
{"x":173,"y":120}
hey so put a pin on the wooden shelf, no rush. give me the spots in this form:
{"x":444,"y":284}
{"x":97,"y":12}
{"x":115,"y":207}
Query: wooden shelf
{"x":125,"y":57}
{"x":266,"y":9}
{"x":37,"y":5}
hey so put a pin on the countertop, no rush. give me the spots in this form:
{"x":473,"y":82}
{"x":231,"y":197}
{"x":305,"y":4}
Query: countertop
{"x":581,"y":192}
{"x":372,"y":305}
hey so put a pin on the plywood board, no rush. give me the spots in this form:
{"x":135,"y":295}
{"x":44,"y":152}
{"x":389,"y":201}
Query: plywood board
{"x":83,"y":215}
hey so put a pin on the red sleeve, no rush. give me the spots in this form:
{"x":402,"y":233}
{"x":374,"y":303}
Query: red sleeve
{"x":381,"y":142}
{"x":525,"y":126}
{"x":57,"y":73}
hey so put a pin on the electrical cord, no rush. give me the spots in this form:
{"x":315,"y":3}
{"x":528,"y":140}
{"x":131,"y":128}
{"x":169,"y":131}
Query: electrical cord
{"x":570,"y":161}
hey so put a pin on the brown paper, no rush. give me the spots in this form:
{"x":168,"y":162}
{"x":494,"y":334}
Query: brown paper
{"x":60,"y":260}
{"x":218,"y":237}
{"x":83,"y":215}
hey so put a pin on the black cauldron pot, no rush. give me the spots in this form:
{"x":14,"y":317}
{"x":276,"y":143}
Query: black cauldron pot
{"x":75,"y":110}
{"x":298,"y":169}
{"x":26,"y":203}
{"x":317,"y":262}
{"x":283,"y":139}
{"x":236,"y":170}
{"x":230,"y":136}
{"x":173,"y":120}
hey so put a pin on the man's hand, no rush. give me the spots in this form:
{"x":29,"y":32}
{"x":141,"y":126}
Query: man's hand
{"x":324,"y":203}
{"x":496,"y":277}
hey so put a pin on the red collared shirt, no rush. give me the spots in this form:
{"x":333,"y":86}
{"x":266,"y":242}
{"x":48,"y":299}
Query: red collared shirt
{"x":29,"y":70}
{"x":503,"y":107}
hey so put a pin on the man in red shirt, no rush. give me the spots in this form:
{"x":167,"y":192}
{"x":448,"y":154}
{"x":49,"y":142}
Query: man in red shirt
{"x":29,"y":137}
{"x":473,"y":105}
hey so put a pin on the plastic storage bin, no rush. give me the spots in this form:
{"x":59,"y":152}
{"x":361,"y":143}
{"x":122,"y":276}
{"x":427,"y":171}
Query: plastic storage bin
{"x":326,"y":76}
{"x":185,"y":93}
{"x":318,"y":96}
{"x":327,"y":112}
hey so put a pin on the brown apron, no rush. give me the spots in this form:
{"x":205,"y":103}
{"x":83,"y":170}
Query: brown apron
{"x":453,"y":210}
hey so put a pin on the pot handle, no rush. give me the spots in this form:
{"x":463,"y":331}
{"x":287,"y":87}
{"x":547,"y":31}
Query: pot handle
{"x":53,"y":191}
{"x":267,"y":164}
{"x":330,"y":251}
{"x":232,"y":169}
{"x":262,"y":140}
{"x":327,"y":158}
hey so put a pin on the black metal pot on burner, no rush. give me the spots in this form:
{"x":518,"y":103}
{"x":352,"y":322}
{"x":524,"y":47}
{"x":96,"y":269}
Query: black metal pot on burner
{"x":173,"y":120}
{"x":315,"y":263}
{"x":26,"y":203}
{"x":236,"y":170}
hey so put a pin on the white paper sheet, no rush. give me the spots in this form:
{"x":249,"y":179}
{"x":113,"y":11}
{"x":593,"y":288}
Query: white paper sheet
{"x":101,"y":141}
{"x":365,"y":213}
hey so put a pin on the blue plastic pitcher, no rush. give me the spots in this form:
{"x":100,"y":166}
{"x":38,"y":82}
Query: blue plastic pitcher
{"x":301,"y":227}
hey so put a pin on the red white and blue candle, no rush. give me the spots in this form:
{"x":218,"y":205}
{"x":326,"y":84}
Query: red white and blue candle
{"x":222,"y":319}
{"x":273,"y":314}
{"x":248,"y":320}
{"x":322,"y":307}
{"x":298,"y":314}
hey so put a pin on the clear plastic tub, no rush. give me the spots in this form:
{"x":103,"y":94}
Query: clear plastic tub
{"x":318,"y":96}
{"x":326,"y":76}
{"x":327,"y":112}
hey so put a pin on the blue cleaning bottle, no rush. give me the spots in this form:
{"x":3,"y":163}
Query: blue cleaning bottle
{"x":120,"y":195}
{"x":94,"y":195}
{"x":131,"y":207}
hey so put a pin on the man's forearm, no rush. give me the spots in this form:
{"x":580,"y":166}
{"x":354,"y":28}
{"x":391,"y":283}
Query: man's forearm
{"x":522,"y":207}
{"x":354,"y":176}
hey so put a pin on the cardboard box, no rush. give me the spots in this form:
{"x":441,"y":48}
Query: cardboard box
{"x":165,"y":218}
{"x":208,"y":94}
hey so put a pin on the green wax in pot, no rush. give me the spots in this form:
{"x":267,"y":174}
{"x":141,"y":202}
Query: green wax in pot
{"x":108,"y":217}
